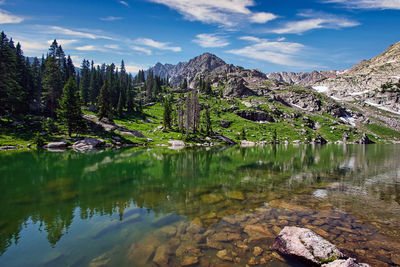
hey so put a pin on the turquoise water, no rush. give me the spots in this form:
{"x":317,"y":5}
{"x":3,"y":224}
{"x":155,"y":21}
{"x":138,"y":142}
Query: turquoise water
{"x":157,"y":206}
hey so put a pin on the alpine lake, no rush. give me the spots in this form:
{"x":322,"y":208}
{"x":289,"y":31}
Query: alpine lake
{"x":162,"y":207}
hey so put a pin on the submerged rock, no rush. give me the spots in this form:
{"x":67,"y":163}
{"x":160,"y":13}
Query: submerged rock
{"x":306,"y":245}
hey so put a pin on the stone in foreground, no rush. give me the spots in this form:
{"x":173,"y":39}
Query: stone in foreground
{"x":306,"y":245}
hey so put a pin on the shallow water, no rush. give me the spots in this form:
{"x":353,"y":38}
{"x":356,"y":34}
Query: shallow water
{"x":145,"y":206}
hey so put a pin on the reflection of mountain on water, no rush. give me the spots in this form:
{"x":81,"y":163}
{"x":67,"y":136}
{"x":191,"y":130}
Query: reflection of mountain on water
{"x":47,"y":188}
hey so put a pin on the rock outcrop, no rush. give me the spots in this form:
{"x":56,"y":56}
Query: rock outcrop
{"x":255,"y":115}
{"x":88,"y":144}
{"x":302,"y":78}
{"x":56,"y":145}
{"x":306,"y":245}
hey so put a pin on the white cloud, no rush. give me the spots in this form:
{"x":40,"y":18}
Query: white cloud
{"x":76,"y":60}
{"x":277,"y":52}
{"x":2,"y":2}
{"x":65,"y":43}
{"x":111,"y":18}
{"x":262,"y":17}
{"x":6,"y":17}
{"x":124,"y":3}
{"x":91,"y":48}
{"x":80,"y":34}
{"x":224,"y":12}
{"x":313,"y":21}
{"x":368,"y":4}
{"x":141,"y":49}
{"x":159,"y":45}
{"x":112,"y":46}
{"x":31,"y":47}
{"x":210,"y":40}
{"x":134,"y":69}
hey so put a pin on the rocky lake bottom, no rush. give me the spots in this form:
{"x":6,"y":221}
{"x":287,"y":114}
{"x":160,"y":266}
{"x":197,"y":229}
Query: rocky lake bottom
{"x":207,"y":207}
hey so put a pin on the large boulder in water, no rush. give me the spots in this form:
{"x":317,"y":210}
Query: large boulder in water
{"x":306,"y":245}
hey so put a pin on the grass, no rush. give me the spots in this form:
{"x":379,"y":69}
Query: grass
{"x":383,"y":131}
{"x":290,"y":126}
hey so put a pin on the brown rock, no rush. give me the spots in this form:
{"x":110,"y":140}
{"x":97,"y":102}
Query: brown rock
{"x":277,"y":256}
{"x":189,"y":261}
{"x":100,"y":261}
{"x":257,"y":251}
{"x":161,"y":257}
{"x":237,"y":195}
{"x":276,"y":229}
{"x":253,"y":261}
{"x":257,"y":232}
{"x":212,"y":198}
{"x":141,"y":252}
{"x":226,"y":237}
{"x":395,"y":257}
{"x":223,"y":255}
{"x":211,"y":243}
{"x":165,"y":232}
{"x":187,"y":249}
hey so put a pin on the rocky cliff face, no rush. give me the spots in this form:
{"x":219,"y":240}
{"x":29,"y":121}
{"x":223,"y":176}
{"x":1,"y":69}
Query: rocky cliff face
{"x":302,"y":78}
{"x":204,"y":63}
{"x":363,"y":82}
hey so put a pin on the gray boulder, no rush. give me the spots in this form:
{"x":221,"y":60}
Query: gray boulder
{"x":255,"y":115}
{"x":88,"y":144}
{"x":176,"y":144}
{"x":350,"y":262}
{"x":306,"y":245}
{"x":235,"y":87}
{"x":56,"y":145}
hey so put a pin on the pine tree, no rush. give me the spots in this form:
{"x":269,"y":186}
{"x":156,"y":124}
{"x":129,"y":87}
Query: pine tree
{"x":188,"y":114}
{"x":85,"y":81}
{"x":52,"y":85}
{"x":167,"y":115}
{"x":129,"y":100}
{"x":120,"y":105}
{"x":196,"y":111}
{"x":149,"y":84}
{"x":9,"y":87}
{"x":70,"y":108}
{"x":104,"y":102}
{"x":184,"y":84}
{"x":93,"y":85}
{"x":70,"y":70}
{"x":208,"y":122}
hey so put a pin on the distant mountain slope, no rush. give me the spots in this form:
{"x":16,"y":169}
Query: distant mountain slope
{"x":363,"y":82}
{"x":204,"y":63}
{"x":302,"y":78}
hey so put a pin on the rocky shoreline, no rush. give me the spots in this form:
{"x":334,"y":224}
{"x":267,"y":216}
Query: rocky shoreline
{"x":89,"y":143}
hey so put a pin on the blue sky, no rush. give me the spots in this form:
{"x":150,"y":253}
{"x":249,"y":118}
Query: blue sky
{"x":269,"y":35}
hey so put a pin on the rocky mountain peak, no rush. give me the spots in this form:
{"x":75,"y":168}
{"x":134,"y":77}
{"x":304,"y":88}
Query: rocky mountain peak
{"x":206,"y":62}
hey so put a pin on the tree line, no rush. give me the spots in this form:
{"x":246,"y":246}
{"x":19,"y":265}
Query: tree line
{"x":53,"y":87}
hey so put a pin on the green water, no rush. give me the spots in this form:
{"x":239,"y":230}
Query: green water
{"x":141,"y":206}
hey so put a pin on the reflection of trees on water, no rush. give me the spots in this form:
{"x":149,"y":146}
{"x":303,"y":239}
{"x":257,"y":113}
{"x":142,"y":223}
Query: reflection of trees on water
{"x":47,"y":188}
